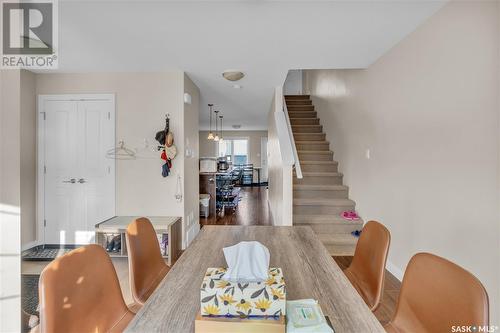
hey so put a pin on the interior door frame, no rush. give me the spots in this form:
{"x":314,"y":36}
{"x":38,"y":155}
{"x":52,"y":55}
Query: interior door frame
{"x":40,"y":191}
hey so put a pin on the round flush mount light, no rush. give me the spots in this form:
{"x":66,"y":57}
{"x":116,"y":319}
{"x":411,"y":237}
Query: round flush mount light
{"x":233,"y":75}
{"x":236,"y":126}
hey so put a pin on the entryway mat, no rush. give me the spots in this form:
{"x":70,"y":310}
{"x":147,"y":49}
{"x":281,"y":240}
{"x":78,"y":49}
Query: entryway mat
{"x":44,"y":254}
{"x":29,"y":292}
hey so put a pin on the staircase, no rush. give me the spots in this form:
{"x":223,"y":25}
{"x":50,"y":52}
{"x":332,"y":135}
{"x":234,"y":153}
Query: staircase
{"x":320,"y":196}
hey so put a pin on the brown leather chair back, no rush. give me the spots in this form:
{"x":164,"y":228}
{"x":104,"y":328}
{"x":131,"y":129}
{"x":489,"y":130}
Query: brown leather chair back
{"x":146,"y":264}
{"x":437,"y":294}
{"x":80,"y":292}
{"x":367,"y":269}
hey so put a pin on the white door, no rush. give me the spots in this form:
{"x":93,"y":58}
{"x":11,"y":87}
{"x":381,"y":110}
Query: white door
{"x":263,"y":159}
{"x":79,"y":181}
{"x":97,"y":174}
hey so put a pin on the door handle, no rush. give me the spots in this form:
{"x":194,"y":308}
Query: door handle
{"x":81,"y":181}
{"x":72,"y":181}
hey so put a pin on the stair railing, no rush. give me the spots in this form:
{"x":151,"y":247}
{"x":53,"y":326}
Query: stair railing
{"x":296,"y":164}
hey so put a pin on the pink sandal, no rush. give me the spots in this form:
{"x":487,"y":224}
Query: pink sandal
{"x":350,"y":215}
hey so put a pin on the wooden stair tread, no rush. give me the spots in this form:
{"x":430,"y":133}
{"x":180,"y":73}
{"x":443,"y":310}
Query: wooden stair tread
{"x":312,"y":142}
{"x":319,"y":162}
{"x":307,"y":219}
{"x":309,"y":134}
{"x":321,"y":174}
{"x":322,"y":202}
{"x":326,"y":152}
{"x":309,"y":187}
{"x":297,"y":96}
{"x":309,"y":174}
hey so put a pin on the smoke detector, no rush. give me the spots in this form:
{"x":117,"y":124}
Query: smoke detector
{"x":233,"y":75}
{"x":236,"y":126}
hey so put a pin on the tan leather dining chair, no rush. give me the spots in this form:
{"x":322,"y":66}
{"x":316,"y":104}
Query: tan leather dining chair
{"x":437,"y":294}
{"x":367,"y":270}
{"x":146,"y":265}
{"x":80,"y":292}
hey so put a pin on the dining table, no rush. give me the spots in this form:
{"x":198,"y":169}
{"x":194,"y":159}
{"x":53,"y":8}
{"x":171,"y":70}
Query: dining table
{"x":308,"y":269}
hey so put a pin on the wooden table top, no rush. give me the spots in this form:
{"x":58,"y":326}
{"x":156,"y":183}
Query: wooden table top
{"x":308,"y":269}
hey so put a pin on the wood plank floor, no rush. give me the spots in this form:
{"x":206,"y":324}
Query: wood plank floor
{"x":390,"y":295}
{"x":253,"y":209}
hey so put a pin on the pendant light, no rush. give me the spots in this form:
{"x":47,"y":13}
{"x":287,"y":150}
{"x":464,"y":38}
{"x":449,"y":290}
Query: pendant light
{"x":221,"y":131}
{"x":210,"y":134}
{"x":216,"y":137}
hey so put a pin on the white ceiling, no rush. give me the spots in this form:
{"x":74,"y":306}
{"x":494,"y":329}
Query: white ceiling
{"x":264,"y":39}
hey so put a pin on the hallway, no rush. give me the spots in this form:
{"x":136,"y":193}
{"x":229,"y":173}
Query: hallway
{"x":252,"y":209}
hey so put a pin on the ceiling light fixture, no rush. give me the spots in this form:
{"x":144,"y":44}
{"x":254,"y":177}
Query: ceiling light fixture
{"x":216,"y":137}
{"x":233,"y":75}
{"x":236,"y":126}
{"x":210,"y":134}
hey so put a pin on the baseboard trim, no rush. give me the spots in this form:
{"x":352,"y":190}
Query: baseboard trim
{"x":192,"y":233}
{"x":395,"y":270}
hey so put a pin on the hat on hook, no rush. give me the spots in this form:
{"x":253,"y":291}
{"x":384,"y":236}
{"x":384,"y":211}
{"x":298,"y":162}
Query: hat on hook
{"x":171,"y":151}
{"x":169,"y":140}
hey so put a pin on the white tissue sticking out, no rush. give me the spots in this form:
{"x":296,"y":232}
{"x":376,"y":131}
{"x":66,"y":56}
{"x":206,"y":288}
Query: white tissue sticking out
{"x":247,"y":262}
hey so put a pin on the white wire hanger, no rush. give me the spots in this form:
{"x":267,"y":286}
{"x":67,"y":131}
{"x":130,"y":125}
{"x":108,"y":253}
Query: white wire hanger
{"x":121,"y":152}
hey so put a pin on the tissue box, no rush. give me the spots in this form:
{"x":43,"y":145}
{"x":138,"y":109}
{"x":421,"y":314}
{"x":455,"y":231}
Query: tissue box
{"x":224,"y":298}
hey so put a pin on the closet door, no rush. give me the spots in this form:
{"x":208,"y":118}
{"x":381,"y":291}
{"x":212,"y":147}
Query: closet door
{"x":79,"y":181}
{"x":97,"y":173}
{"x":63,"y":209}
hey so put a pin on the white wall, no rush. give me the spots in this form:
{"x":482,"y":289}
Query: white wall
{"x":280,"y":196}
{"x":191,"y":165}
{"x":28,"y":159}
{"x":10,"y":201}
{"x":142,"y":101}
{"x":428,"y":111}
{"x":293,"y":82}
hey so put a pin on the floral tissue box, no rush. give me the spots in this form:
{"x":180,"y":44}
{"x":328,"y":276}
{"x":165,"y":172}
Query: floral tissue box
{"x":224,"y":298}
